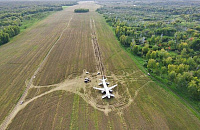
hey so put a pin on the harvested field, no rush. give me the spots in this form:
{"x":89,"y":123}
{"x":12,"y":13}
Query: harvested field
{"x":66,"y":102}
{"x":21,"y":57}
{"x":72,"y":54}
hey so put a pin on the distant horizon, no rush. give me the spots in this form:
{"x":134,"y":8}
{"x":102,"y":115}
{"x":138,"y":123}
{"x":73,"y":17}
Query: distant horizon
{"x":42,"y":0}
{"x":105,"y":0}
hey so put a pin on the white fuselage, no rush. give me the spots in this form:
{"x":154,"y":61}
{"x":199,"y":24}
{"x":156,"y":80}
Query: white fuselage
{"x":106,"y":88}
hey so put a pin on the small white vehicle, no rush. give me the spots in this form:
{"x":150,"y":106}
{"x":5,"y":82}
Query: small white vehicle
{"x":87,"y":72}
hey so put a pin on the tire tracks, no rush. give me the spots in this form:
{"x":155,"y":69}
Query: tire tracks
{"x":16,"y":109}
{"x":97,"y":52}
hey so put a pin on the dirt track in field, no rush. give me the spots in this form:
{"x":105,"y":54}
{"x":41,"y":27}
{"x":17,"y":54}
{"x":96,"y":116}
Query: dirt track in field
{"x":18,"y":107}
{"x":75,"y":86}
{"x":97,"y":53}
{"x":66,"y":102}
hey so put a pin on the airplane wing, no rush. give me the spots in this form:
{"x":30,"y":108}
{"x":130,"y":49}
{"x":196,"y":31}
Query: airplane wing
{"x":101,"y":89}
{"x":112,"y":87}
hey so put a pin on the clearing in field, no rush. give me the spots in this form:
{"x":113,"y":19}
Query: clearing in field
{"x":56,"y":96}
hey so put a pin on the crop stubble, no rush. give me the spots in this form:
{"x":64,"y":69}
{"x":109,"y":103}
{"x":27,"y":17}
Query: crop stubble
{"x":20,"y":58}
{"x":151,"y":107}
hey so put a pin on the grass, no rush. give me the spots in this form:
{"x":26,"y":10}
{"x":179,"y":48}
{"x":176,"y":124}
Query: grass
{"x":28,"y":23}
{"x":64,"y":7}
{"x":74,"y":116}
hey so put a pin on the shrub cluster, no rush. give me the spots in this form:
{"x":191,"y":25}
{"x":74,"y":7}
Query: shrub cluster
{"x":81,"y":10}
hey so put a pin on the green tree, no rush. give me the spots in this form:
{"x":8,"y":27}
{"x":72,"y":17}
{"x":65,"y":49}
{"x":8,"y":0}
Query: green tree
{"x":155,"y":47}
{"x":194,"y":89}
{"x":172,"y":76}
{"x":152,"y":40}
{"x":182,"y":68}
{"x":136,"y":49}
{"x":148,"y":55}
{"x":145,"y":49}
{"x":123,"y":39}
{"x":4,"y":38}
{"x":133,"y":43}
{"x":153,"y":55}
{"x":187,"y":76}
{"x":182,"y":45}
{"x":172,"y":67}
{"x":191,"y":63}
{"x":196,"y":44}
{"x":180,"y":80}
{"x":184,"y":53}
{"x":117,"y":31}
{"x":162,"y":54}
{"x":163,"y":70}
{"x":168,"y":61}
{"x":151,"y":64}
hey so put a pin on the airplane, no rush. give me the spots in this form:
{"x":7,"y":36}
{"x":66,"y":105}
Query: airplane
{"x":106,"y":89}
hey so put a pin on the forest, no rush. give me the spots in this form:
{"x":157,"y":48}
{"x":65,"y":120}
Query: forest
{"x":13,"y":15}
{"x":81,"y":10}
{"x":166,"y":37}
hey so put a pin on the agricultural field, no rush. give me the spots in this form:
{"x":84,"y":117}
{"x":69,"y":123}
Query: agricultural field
{"x":21,"y":57}
{"x":46,"y":65}
{"x":18,"y":16}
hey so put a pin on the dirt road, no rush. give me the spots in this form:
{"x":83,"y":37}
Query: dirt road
{"x":18,"y":106}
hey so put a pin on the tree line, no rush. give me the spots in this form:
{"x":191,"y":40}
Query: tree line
{"x":168,"y":42}
{"x":14,"y":14}
{"x":81,"y":10}
{"x":7,"y":33}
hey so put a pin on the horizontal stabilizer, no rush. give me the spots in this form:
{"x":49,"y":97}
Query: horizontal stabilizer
{"x":104,"y":96}
{"x":100,"y":84}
